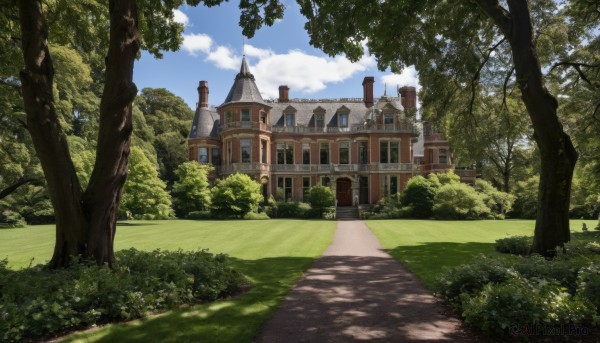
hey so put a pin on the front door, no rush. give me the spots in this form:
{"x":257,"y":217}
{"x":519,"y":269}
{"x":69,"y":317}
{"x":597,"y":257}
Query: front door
{"x":343,"y":192}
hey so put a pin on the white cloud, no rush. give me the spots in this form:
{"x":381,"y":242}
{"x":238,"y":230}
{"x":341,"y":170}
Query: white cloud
{"x":303,"y":72}
{"x":409,"y":77}
{"x":180,"y":17}
{"x":197,"y":42}
{"x":252,"y":51}
{"x":224,"y":58}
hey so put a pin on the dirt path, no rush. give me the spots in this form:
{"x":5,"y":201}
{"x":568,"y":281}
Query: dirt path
{"x":357,"y":292}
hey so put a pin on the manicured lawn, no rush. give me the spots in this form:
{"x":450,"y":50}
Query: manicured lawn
{"x":426,"y":247}
{"x":273,"y":254}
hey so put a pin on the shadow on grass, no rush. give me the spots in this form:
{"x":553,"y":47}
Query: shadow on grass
{"x":136,"y":224}
{"x":428,"y":260}
{"x":232,"y":320}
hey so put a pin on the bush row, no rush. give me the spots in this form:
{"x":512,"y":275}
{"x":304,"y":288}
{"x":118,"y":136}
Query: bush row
{"x":36,"y":302}
{"x":443,"y":196}
{"x":494,"y":293}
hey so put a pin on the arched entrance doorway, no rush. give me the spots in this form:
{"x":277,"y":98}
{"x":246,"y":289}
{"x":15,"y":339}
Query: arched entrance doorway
{"x":343,"y":192}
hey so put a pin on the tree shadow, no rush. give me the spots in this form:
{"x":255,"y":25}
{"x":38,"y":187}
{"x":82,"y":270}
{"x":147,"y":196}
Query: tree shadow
{"x":237,"y":319}
{"x":136,"y":224}
{"x":429,"y":259}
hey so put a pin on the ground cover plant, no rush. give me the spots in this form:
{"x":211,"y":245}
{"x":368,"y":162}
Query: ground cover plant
{"x":272,"y":255}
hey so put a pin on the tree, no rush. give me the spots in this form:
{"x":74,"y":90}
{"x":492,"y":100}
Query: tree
{"x":450,"y":44}
{"x":144,"y":193}
{"x":171,"y":119}
{"x":235,"y":195}
{"x":320,"y":198}
{"x":190,"y":190}
{"x":86,"y":219}
{"x":459,"y":201}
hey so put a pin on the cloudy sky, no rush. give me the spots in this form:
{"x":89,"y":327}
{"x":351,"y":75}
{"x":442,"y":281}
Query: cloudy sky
{"x":212,"y":50}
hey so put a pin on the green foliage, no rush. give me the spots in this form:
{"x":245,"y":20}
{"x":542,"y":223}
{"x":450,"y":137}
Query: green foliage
{"x":256,"y":216}
{"x":447,"y":177}
{"x":419,"y":194}
{"x":290,"y":209}
{"x":191,"y":192}
{"x":518,"y":245}
{"x":11,"y":219}
{"x":588,"y":285}
{"x":36,"y":302}
{"x":235,"y":195}
{"x":526,"y":192}
{"x":459,"y":201}
{"x":144,"y":194}
{"x":499,"y":202}
{"x":321,"y":197}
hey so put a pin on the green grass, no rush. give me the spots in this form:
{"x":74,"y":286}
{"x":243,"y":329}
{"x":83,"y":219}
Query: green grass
{"x":427,"y":247}
{"x":273,"y":254}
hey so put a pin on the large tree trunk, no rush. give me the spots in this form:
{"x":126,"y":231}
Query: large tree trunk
{"x":558,"y":156}
{"x":48,"y":137}
{"x":85,"y":222}
{"x":103,"y":193}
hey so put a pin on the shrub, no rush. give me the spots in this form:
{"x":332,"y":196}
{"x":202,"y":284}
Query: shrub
{"x":36,"y":302}
{"x":190,"y":191}
{"x":448,"y":177}
{"x":419,"y":194}
{"x":235,"y":195}
{"x":588,"y":285}
{"x":499,"y":202}
{"x":459,"y":201}
{"x":199,"y":215}
{"x":11,"y":219}
{"x":525,"y":204}
{"x":518,"y":245}
{"x":256,"y":216}
{"x":321,"y":197}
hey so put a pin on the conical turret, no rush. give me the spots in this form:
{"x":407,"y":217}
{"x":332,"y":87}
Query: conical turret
{"x":244,"y":89}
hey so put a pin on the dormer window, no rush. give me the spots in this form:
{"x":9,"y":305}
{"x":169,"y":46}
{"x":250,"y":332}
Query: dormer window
{"x":289,"y":119}
{"x":320,"y":120}
{"x":343,"y":119}
{"x":388,"y":118}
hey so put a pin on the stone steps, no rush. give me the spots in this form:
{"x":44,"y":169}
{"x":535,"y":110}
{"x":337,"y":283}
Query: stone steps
{"x":346,"y":213}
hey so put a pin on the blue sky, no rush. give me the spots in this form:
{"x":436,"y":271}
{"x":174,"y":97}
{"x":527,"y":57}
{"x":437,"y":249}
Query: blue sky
{"x":277,"y":55}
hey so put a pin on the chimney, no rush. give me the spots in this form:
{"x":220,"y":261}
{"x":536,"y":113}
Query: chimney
{"x":203,"y":94}
{"x":284,"y":94}
{"x":368,"y":90}
{"x":409,"y":97}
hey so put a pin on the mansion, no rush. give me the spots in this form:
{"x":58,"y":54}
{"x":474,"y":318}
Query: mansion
{"x":364,"y":148}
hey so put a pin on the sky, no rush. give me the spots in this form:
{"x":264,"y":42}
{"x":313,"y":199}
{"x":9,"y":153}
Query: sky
{"x":212,"y":51}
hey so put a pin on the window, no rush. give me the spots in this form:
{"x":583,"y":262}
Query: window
{"x":216,"y":156}
{"x":389,"y":152}
{"x":285,"y":183}
{"x":363,"y":193}
{"x":443,"y":156}
{"x":289,"y":119}
{"x":343,"y":120}
{"x":263,"y":151}
{"x":344,"y":152}
{"x":388,"y":118}
{"x":245,"y":114}
{"x":325,"y":181}
{"x":320,"y":120}
{"x":324,"y":153}
{"x":363,"y":153}
{"x":246,"y":150}
{"x":285,"y":153}
{"x":430,"y":156}
{"x":389,"y":185}
{"x":263,"y":117}
{"x":305,"y":153}
{"x":229,"y":154}
{"x":305,"y":188}
{"x":228,"y":117}
{"x":203,"y":155}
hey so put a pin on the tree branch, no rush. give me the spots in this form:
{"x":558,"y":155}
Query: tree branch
{"x":8,"y":190}
{"x":498,"y":14}
{"x":486,"y":58}
{"x":577,"y":66}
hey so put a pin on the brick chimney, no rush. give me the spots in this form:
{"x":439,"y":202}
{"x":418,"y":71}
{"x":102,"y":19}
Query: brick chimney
{"x":409,"y":97}
{"x":203,"y":94}
{"x":284,"y":93}
{"x":367,"y":84}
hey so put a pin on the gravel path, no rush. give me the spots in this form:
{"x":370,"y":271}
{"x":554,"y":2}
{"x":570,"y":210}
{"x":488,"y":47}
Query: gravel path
{"x":357,"y":292}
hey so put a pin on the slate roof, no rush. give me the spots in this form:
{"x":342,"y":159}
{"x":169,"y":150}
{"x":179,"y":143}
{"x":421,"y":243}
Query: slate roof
{"x":305,"y":110}
{"x":244,"y":89}
{"x":205,"y":124}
